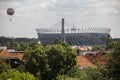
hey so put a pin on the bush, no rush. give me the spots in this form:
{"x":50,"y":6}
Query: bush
{"x":16,"y":75}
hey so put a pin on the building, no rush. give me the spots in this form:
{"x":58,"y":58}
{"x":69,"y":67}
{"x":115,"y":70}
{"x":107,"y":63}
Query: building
{"x":14,"y":58}
{"x":81,"y":36}
{"x":90,"y":60}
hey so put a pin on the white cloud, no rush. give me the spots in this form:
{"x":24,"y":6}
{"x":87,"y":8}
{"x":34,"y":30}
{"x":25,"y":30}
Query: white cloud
{"x":59,"y":7}
{"x":86,"y":7}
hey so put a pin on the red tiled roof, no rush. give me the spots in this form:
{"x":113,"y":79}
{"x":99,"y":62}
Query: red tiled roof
{"x":88,"y":60}
{"x":84,"y":62}
{"x":98,"y":57}
{"x":11,"y":55}
{"x":90,"y":56}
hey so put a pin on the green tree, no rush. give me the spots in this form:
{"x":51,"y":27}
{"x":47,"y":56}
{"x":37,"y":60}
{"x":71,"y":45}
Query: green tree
{"x":3,"y":66}
{"x":61,"y":58}
{"x":37,"y":57}
{"x":16,"y":75}
{"x":110,"y":43}
{"x":95,"y":73}
{"x":113,"y":63}
{"x":98,"y":48}
{"x":64,"y":77}
{"x":49,"y":61}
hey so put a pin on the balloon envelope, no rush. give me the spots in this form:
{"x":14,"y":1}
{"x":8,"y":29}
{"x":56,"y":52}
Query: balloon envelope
{"x":10,"y":11}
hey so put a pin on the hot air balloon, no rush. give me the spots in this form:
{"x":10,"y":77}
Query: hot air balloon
{"x":10,"y":11}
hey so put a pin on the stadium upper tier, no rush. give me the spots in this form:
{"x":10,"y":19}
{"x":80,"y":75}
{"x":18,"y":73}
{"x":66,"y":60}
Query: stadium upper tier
{"x":75,"y":36}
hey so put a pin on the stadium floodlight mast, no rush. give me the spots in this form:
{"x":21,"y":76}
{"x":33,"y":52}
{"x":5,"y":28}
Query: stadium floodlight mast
{"x":63,"y":31}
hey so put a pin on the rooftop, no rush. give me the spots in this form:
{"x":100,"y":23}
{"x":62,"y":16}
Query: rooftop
{"x":4,"y":54}
{"x":89,"y":60}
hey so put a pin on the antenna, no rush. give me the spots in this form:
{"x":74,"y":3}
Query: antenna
{"x":73,"y":24}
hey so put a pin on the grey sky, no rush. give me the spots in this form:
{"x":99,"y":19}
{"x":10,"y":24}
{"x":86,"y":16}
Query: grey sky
{"x":32,"y":14}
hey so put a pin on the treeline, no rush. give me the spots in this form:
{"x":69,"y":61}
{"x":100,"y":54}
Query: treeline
{"x":16,"y":43}
{"x":58,"y":62}
{"x":4,"y":40}
{"x":116,"y":39}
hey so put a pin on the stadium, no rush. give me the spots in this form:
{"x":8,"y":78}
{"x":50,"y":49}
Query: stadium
{"x":82,"y":36}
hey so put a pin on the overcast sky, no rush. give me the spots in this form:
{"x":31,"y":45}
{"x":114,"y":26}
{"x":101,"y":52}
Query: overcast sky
{"x":32,"y":14}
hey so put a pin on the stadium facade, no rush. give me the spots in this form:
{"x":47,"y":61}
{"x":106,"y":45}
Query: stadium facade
{"x":83,"y":36}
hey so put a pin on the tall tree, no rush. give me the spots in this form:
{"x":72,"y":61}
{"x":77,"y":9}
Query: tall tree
{"x":37,"y":57}
{"x":61,"y":58}
{"x":110,"y":43}
{"x":49,"y":61}
{"x":113,"y":63}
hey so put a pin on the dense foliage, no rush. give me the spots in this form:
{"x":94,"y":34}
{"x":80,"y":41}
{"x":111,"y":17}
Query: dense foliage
{"x":50,"y":61}
{"x":3,"y":66}
{"x":13,"y":74}
{"x":113,"y":63}
{"x":98,"y":48}
{"x":16,"y":43}
{"x":58,"y":62}
{"x":4,"y":40}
